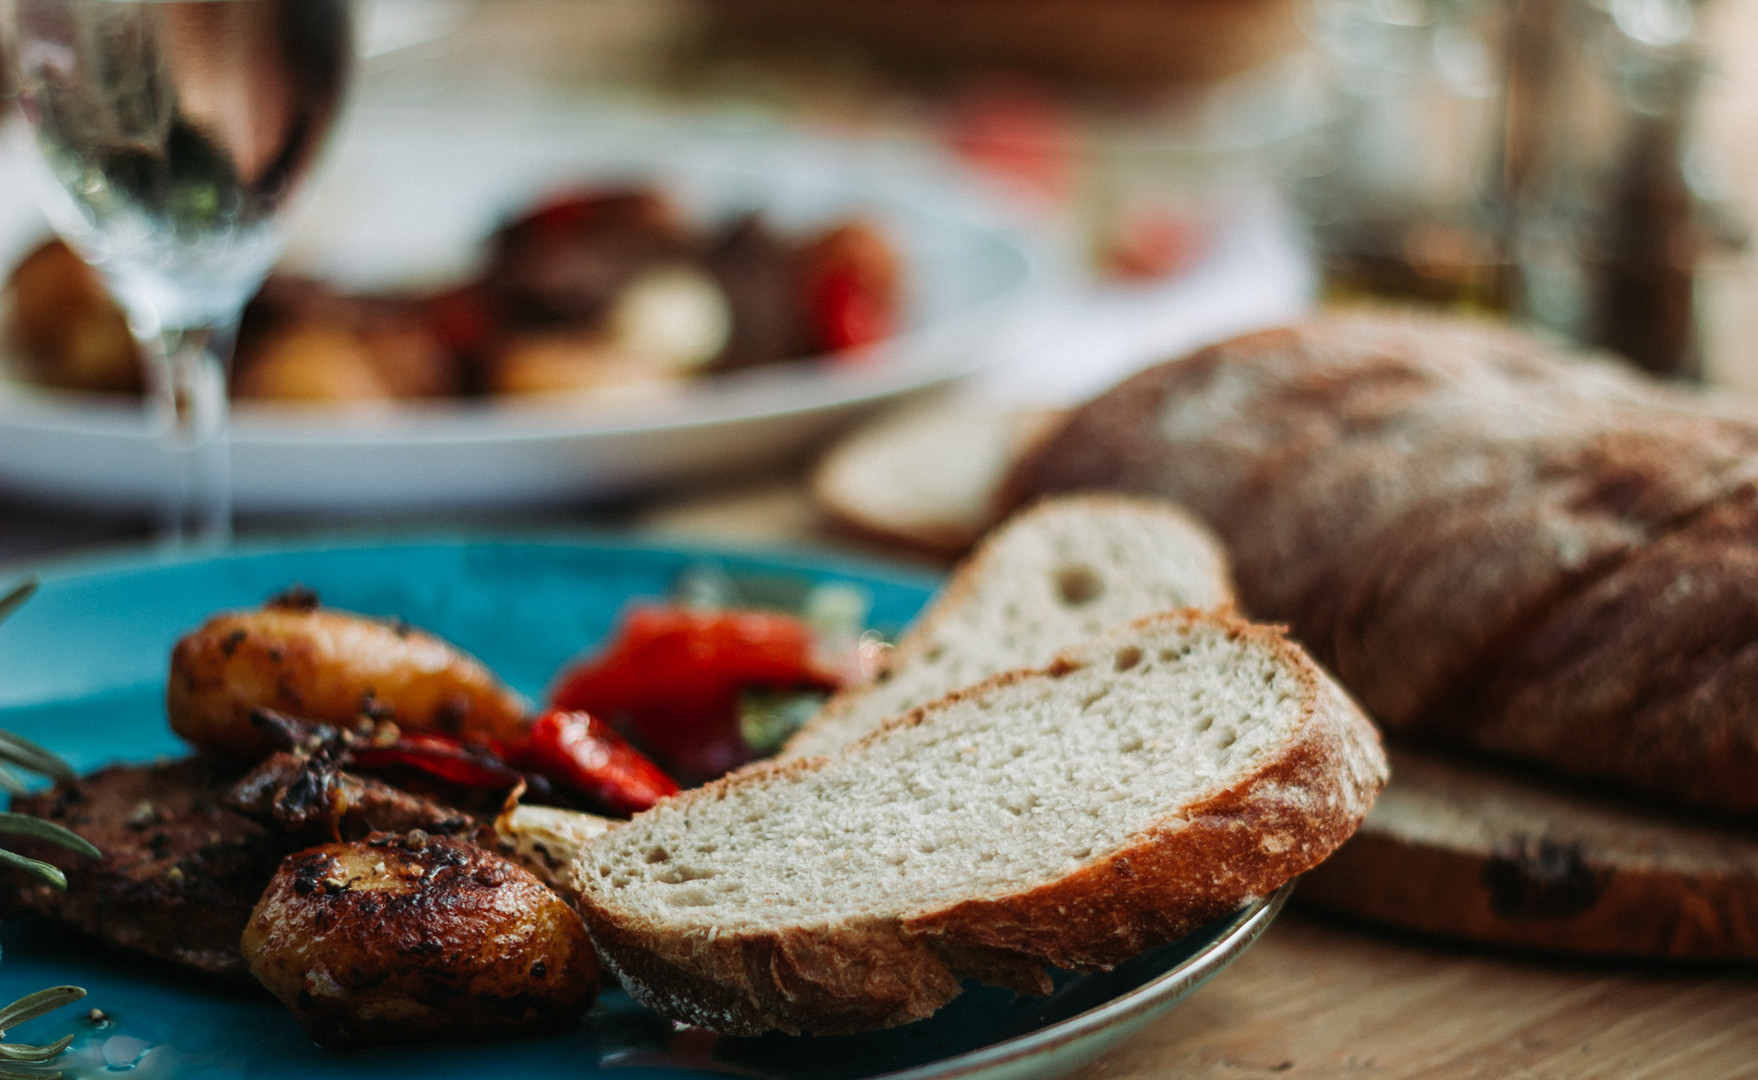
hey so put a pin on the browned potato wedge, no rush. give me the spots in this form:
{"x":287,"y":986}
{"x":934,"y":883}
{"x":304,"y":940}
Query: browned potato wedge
{"x":330,"y":667}
{"x":399,"y":939}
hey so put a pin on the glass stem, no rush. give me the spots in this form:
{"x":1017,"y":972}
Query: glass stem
{"x":188,"y":405}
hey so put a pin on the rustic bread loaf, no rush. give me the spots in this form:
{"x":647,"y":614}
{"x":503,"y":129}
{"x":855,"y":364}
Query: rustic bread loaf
{"x":1139,"y":785}
{"x":1456,"y":849}
{"x":1662,"y":650}
{"x":1052,"y":577}
{"x":1420,"y":498}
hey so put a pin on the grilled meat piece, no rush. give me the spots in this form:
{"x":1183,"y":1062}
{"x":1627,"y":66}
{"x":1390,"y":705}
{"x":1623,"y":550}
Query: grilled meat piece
{"x":180,"y":871}
{"x":416,"y":938}
{"x":311,"y":797}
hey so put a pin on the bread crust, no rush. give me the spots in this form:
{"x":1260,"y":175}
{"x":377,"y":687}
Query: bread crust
{"x":1663,"y":650}
{"x":1209,"y":859}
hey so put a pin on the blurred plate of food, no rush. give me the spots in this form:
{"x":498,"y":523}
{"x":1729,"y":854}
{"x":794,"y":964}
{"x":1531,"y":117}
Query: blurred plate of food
{"x":500,"y":306}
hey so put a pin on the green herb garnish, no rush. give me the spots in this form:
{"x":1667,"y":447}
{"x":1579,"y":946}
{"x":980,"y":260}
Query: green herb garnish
{"x":19,"y":754}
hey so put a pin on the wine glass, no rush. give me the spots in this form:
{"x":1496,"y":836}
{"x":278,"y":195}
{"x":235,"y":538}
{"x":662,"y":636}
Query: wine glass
{"x":175,"y":136}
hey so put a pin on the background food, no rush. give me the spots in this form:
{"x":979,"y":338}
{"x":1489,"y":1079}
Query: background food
{"x":602,"y":293}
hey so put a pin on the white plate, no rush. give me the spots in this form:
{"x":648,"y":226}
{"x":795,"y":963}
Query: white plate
{"x":408,"y":195}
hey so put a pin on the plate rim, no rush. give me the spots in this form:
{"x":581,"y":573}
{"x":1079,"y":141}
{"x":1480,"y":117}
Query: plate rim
{"x":1138,"y":1004}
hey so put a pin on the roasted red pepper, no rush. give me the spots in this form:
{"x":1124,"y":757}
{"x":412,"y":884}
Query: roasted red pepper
{"x":851,"y":288}
{"x":671,"y":681}
{"x":443,"y":756}
{"x":582,"y":752}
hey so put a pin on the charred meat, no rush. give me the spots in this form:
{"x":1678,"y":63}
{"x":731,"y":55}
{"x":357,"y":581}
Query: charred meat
{"x":180,"y":871}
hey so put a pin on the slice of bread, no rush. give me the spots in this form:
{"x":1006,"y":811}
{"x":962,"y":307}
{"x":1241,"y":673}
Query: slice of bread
{"x":1466,"y":851}
{"x":925,"y":477}
{"x":1050,"y":578}
{"x":1141,"y":784}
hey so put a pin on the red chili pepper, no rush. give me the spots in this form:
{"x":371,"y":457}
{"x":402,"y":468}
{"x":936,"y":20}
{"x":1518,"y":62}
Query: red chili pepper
{"x":671,"y":680}
{"x":442,"y":756}
{"x":583,"y":752}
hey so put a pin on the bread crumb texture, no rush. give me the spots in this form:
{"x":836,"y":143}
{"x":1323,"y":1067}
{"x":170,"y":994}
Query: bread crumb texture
{"x":1165,"y":773}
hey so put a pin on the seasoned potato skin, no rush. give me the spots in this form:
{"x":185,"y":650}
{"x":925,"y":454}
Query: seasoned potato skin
{"x":329,"y":667}
{"x":417,"y":938}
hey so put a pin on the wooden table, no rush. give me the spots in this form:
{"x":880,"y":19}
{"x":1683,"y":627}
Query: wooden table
{"x":1318,"y":999}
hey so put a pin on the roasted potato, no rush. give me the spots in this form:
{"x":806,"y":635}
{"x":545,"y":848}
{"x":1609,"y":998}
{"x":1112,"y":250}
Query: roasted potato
{"x":417,"y":938}
{"x":61,"y":328}
{"x":327,"y":667}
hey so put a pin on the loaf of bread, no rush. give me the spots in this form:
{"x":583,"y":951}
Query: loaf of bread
{"x":1138,"y":786}
{"x":1052,"y":577}
{"x":1490,"y":541}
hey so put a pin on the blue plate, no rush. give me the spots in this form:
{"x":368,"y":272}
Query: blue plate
{"x":83,"y":668}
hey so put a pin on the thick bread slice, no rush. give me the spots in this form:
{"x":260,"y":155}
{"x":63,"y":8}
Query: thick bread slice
{"x":1143,"y":783}
{"x":1455,"y":849}
{"x":1052,"y":577}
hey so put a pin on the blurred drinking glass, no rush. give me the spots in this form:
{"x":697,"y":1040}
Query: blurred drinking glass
{"x":175,"y":137}
{"x":1397,"y":186}
{"x":1526,"y":157}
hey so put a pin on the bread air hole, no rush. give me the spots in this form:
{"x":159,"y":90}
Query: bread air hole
{"x":1126,"y":657}
{"x":1226,"y":737}
{"x":658,"y":855}
{"x":1078,"y":585}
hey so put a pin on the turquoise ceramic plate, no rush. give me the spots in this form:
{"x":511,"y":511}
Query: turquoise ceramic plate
{"x":82,"y":671}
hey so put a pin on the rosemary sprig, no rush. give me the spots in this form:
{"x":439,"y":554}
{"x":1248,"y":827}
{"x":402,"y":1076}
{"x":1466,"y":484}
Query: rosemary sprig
{"x":22,"y":754}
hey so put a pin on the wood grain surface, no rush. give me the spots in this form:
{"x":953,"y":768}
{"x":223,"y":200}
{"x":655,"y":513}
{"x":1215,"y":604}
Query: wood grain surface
{"x":1320,"y":1000}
